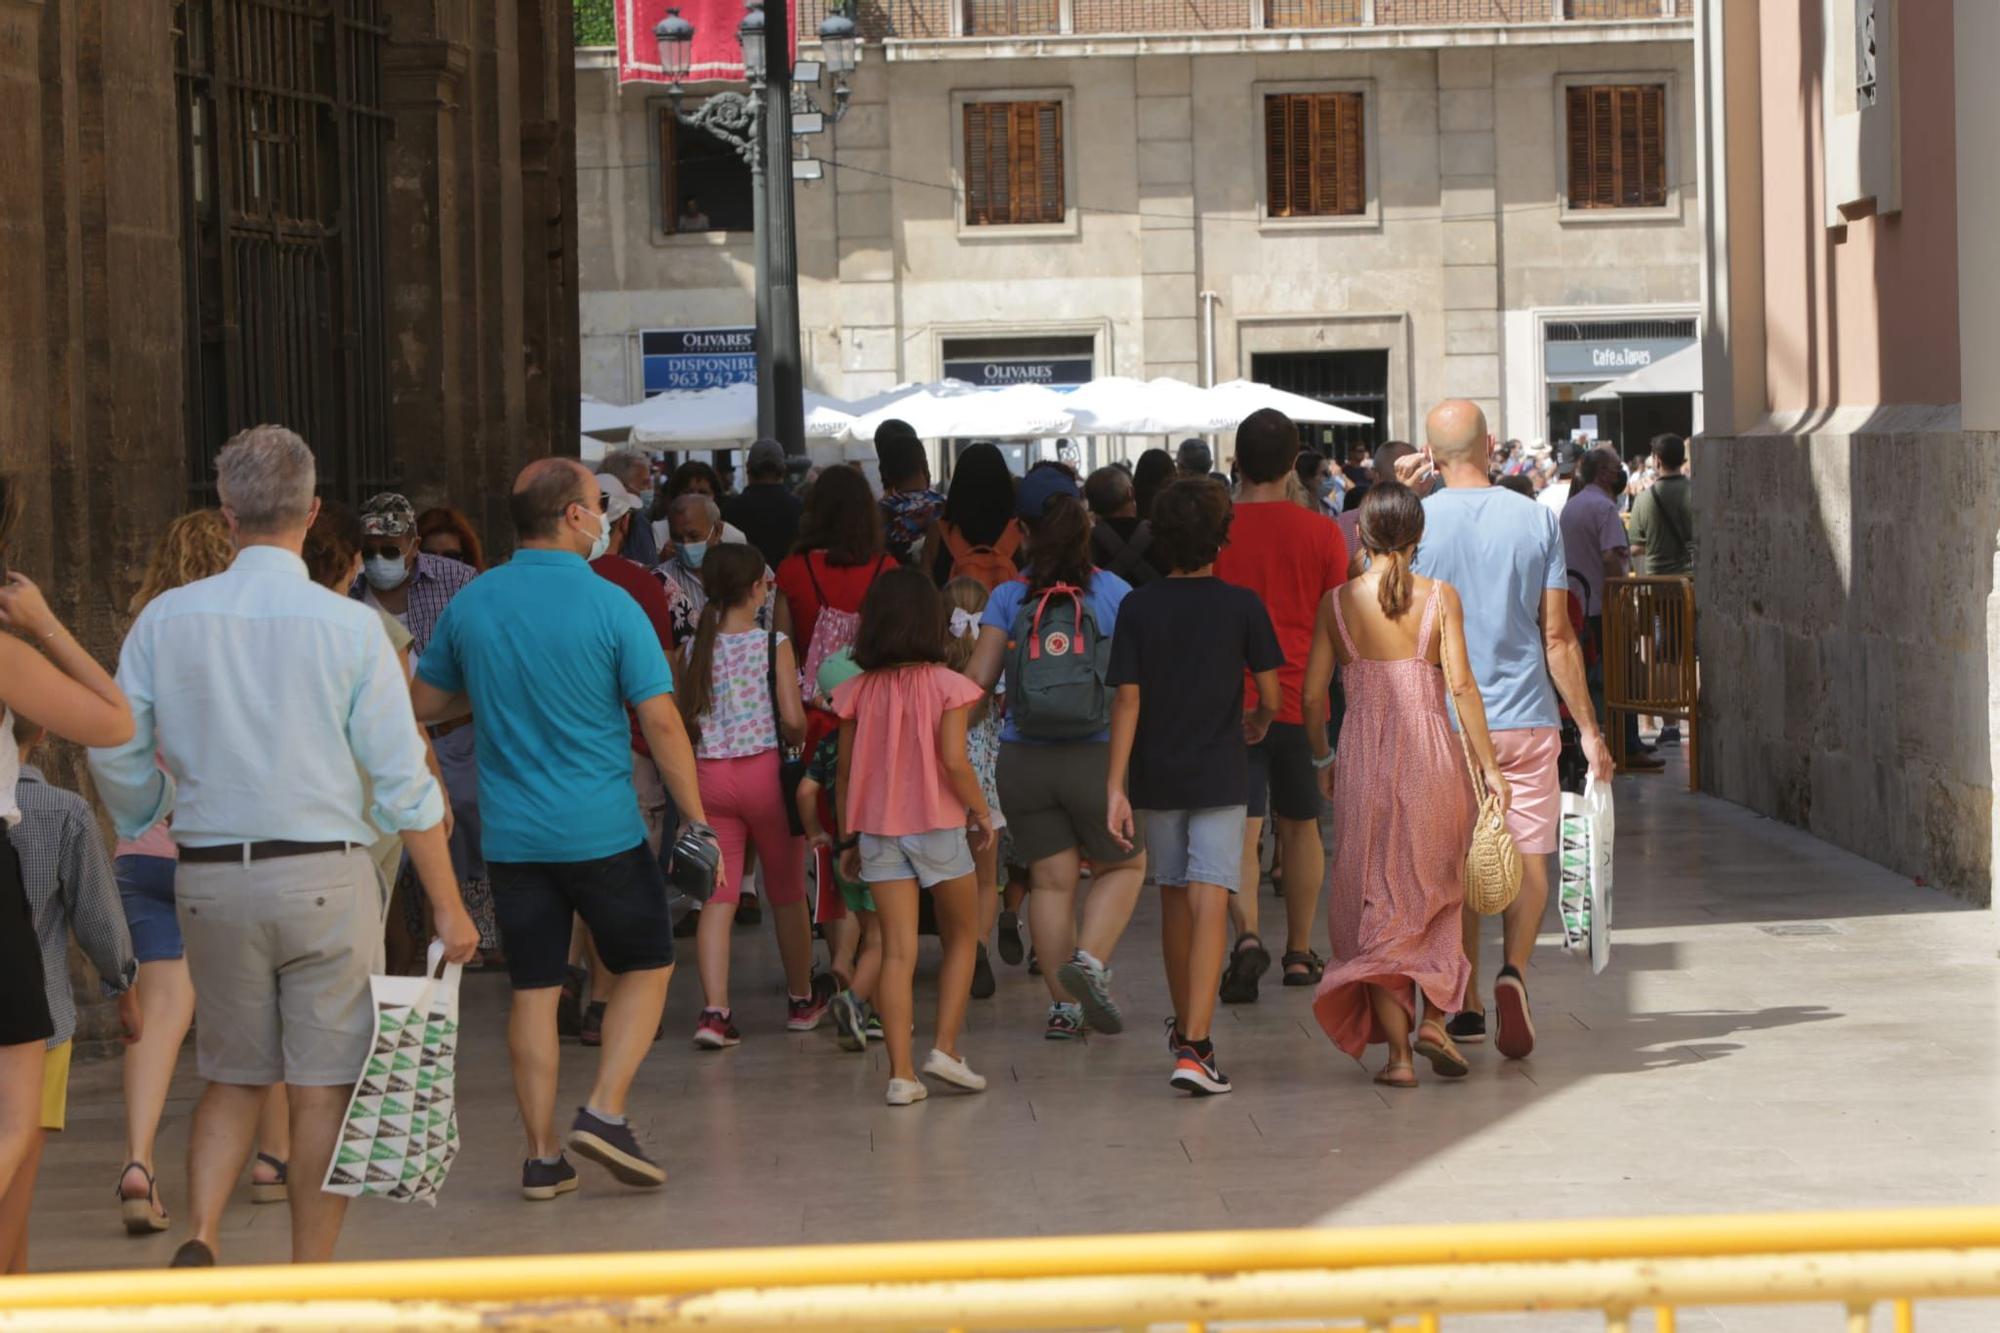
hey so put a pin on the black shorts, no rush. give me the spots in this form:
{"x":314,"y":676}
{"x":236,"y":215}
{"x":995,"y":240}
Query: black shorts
{"x":622,"y":898}
{"x":24,"y":1004}
{"x":1282,"y":780}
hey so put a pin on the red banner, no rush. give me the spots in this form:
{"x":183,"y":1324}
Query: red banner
{"x":717,"y":57}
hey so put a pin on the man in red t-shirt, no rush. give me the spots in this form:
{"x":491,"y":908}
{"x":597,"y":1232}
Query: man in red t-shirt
{"x":1290,"y":556}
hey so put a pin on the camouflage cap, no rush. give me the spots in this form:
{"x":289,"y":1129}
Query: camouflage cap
{"x":388,"y":515}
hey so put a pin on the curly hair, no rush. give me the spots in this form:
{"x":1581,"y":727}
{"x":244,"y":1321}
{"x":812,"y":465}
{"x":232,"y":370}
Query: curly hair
{"x":332,"y":542}
{"x":841,"y":518}
{"x":195,"y":546}
{"x":1190,"y":520}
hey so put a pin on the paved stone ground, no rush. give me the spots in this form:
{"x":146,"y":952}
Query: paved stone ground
{"x":1783,"y":1026}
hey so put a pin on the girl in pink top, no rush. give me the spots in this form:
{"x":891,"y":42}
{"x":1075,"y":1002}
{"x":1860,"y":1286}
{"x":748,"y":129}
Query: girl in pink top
{"x":907,"y":787}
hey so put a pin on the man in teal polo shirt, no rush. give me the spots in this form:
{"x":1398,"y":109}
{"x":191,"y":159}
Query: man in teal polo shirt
{"x":548,"y":656}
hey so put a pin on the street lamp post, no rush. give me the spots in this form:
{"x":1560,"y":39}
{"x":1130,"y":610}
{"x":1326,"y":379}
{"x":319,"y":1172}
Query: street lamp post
{"x":759,"y":126}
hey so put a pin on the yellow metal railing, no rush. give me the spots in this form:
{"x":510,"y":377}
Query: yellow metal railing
{"x":1649,"y":660}
{"x":1374,"y":1279}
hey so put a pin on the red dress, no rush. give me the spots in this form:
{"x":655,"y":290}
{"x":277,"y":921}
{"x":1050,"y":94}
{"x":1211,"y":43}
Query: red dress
{"x":1402,"y":821}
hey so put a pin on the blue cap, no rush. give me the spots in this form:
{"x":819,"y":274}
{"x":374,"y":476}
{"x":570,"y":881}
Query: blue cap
{"x":1040,"y":486}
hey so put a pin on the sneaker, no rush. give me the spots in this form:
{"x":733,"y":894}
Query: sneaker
{"x":1467,"y":1029}
{"x":1011,"y":948}
{"x":1174,"y":1038}
{"x":983,"y":984}
{"x":1065,"y":1022}
{"x":1516,"y":1039}
{"x":873,"y":1025}
{"x":1644,"y":762}
{"x":749,"y":912}
{"x":906,"y":1091}
{"x":953,"y":1070}
{"x":193,"y":1254}
{"x":569,"y":1008}
{"x":1670,"y":735}
{"x":850,"y":1024}
{"x":615,"y":1148}
{"x":590,"y":1030}
{"x":716,"y":1031}
{"x":806,"y":1012}
{"x":1090,"y":982}
{"x":1196,"y":1074}
{"x":1034,"y":964}
{"x":544,"y":1180}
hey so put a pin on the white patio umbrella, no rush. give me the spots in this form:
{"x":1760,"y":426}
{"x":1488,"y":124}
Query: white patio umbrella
{"x":725,"y":413}
{"x":1239,"y":398}
{"x":1676,"y":372}
{"x":1115,"y":405}
{"x":953,"y":409}
{"x":601,"y":416}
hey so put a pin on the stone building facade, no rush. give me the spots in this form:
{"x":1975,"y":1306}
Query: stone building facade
{"x":353,"y":216}
{"x":1848,"y":488}
{"x":1455,"y":262}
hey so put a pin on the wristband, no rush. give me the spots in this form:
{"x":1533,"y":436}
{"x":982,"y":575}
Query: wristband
{"x":1324,"y":764}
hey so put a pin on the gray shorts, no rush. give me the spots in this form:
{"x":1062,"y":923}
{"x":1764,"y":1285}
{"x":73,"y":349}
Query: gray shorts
{"x":1186,"y":847}
{"x":928,"y":858}
{"x":280,"y":953}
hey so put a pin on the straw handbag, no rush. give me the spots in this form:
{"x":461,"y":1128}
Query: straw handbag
{"x":1492,"y":863}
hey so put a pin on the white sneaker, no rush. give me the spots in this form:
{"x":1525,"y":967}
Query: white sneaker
{"x":905,"y":1091}
{"x":954,"y":1071}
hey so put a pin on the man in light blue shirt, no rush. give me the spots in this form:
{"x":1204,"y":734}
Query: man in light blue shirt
{"x":267,"y":698}
{"x":548,"y":656}
{"x":1504,"y":555}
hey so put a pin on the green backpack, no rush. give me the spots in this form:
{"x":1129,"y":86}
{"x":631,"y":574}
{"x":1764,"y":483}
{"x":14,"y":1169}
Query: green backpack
{"x":1058,"y":667}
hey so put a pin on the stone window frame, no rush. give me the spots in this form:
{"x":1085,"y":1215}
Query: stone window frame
{"x":656,"y":228}
{"x":1072,"y":223}
{"x":1370,"y":216}
{"x":1670,"y":211}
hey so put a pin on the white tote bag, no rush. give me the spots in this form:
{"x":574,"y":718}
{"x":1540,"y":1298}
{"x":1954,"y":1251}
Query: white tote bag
{"x":1588,"y":831}
{"x":401,"y":1130}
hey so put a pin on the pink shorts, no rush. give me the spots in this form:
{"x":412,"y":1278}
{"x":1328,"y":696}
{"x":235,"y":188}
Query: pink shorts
{"x":746,"y":808}
{"x":1528,"y":758}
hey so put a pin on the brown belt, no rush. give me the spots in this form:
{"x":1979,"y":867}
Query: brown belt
{"x":260,"y":851}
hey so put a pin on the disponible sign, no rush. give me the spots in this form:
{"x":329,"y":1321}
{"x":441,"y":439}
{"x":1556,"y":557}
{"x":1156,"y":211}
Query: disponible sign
{"x":997,"y":373}
{"x":1606,"y":359}
{"x":679,"y":359}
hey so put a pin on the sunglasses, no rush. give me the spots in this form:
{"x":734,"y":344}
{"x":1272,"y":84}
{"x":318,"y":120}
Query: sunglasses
{"x":391,"y":552}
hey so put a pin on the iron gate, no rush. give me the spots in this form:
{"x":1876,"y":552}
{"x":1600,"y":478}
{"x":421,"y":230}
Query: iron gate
{"x":1357,"y":381}
{"x":282,"y":178}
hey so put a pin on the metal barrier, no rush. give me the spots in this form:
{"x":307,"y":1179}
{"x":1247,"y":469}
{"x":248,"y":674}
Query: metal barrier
{"x":1649,"y":661}
{"x":1370,"y":1280}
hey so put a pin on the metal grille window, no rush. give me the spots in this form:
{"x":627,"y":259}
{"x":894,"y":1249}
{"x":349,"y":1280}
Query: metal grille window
{"x":1014,"y":163}
{"x":1314,"y":159}
{"x":1358,"y":381}
{"x":1012,"y":18}
{"x":282,"y":177}
{"x":1617,"y":145}
{"x":1314,"y":13}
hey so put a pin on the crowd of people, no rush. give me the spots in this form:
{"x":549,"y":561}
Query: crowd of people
{"x":998,"y":712}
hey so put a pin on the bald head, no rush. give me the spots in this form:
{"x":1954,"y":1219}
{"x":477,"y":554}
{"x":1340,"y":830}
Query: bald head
{"x":1456,"y":432}
{"x":543,"y":494}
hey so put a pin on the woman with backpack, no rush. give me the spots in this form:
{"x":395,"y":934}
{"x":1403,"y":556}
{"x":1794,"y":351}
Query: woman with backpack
{"x":1050,"y":633}
{"x":978,"y":535}
{"x":839,"y":556}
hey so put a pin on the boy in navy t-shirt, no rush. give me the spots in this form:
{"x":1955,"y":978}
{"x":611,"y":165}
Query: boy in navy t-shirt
{"x":1179,"y":730}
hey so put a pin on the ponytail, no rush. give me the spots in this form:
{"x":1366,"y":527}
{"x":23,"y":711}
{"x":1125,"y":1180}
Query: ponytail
{"x":1393,"y":590}
{"x":698,"y":690}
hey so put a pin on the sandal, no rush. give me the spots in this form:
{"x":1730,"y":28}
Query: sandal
{"x":144,"y":1215}
{"x":269,"y":1191}
{"x":1435,"y":1046}
{"x":1314,"y":965}
{"x":1248,"y":961}
{"x":1397,"y":1074}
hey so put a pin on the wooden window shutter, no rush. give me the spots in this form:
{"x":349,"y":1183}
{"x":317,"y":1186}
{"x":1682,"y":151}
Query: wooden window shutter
{"x":988,"y":195}
{"x":1652,"y":146}
{"x":1277,"y":158}
{"x":1049,"y":162}
{"x":1340,"y":173}
{"x":1617,"y":146}
{"x":1578,"y":114}
{"x":1024,"y":165}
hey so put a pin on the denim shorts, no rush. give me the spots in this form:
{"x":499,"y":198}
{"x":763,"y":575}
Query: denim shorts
{"x":1195,"y":846}
{"x":146,"y":887}
{"x":622,"y":898}
{"x":928,"y":858}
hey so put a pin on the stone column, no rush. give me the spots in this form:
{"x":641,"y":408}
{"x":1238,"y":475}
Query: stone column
{"x":1470,"y":230}
{"x":1170,"y":303}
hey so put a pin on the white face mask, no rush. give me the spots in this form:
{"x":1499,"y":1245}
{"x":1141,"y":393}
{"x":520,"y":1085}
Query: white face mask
{"x":602,"y":542}
{"x":383,"y":573}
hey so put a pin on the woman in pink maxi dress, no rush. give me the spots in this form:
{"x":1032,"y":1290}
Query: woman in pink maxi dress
{"x":1402,"y":802}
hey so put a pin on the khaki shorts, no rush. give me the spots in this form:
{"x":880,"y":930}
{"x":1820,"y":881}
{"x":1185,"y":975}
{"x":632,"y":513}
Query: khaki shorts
{"x":1055,"y":799}
{"x":55,"y":1085}
{"x":280,"y":953}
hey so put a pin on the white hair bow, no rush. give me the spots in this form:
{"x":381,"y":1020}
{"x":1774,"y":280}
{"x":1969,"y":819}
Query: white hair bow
{"x":964,"y":623}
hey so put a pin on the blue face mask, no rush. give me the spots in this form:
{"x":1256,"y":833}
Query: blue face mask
{"x":1325,"y":488}
{"x":693,"y":553}
{"x":646,"y":499}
